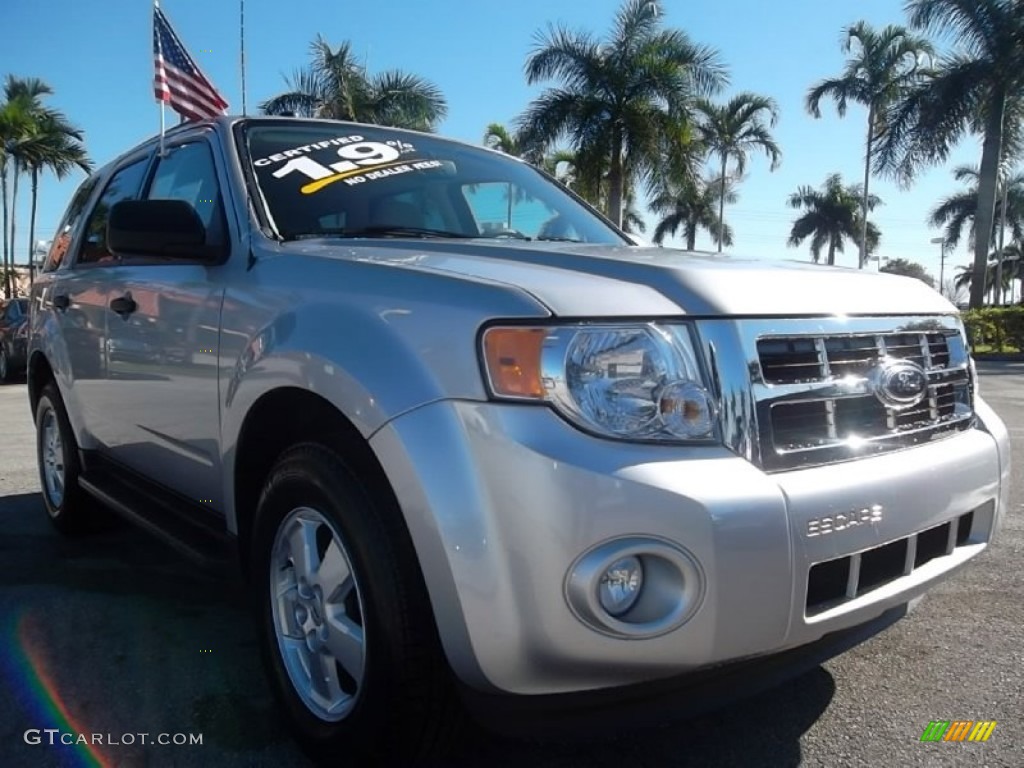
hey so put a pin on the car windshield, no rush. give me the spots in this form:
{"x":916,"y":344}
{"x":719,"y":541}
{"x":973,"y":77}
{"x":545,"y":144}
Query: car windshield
{"x":326,"y":179}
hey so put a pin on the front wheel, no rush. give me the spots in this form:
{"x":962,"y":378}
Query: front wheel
{"x":345,"y":623}
{"x":72,"y":511}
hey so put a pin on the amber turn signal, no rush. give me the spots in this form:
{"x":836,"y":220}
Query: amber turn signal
{"x":513,"y":360}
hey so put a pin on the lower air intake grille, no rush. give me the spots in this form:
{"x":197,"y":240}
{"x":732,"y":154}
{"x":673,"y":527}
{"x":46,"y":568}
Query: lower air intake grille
{"x":835,"y":582}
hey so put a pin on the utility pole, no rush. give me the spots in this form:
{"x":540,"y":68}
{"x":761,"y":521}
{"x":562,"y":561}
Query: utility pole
{"x":941,"y":241}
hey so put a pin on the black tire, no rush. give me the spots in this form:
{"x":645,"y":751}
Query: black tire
{"x":73,"y":512}
{"x":404,"y":707}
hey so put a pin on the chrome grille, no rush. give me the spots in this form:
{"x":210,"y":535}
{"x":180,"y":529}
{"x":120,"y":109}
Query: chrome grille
{"x":812,"y":398}
{"x":793,"y":360}
{"x":805,"y":425}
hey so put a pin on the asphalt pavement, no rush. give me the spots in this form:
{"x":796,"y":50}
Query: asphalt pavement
{"x":116,"y":636}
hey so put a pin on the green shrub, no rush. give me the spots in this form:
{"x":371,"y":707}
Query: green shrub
{"x":1000,"y":329}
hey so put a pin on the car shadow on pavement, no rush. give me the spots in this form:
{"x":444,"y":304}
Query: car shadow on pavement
{"x":116,"y":634}
{"x":763,"y":730}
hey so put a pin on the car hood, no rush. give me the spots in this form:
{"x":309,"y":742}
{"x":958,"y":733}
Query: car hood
{"x":582,"y":280}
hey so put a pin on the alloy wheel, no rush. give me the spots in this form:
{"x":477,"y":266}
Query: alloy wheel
{"x":53,"y":459}
{"x":317,"y":612}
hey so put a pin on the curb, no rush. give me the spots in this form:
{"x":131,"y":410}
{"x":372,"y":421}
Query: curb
{"x":999,"y":358}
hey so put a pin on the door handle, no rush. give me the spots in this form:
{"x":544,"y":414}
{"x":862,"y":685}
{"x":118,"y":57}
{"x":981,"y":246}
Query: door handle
{"x":124,"y":305}
{"x":61,"y":301}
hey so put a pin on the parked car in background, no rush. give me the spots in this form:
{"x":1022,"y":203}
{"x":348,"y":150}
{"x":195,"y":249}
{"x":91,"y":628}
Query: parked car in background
{"x":14,"y":317}
{"x":481,"y":452}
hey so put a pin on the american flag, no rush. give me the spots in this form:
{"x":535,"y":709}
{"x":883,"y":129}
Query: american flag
{"x":179,"y":81}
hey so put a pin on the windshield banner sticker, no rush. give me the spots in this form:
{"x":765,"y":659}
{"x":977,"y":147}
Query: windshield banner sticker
{"x":361,"y":161}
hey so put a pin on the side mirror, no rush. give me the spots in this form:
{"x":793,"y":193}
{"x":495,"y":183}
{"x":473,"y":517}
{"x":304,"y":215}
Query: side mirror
{"x":163,"y":228}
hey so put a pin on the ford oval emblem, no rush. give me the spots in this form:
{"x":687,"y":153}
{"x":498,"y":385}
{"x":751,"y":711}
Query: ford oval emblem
{"x":899,"y":384}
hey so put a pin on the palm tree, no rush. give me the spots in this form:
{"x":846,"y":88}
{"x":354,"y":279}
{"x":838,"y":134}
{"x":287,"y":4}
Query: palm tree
{"x":881,"y":67}
{"x":54,"y":145}
{"x":21,"y":101}
{"x":586,"y":171}
{"x":336,"y":86}
{"x":32,"y":138}
{"x":621,"y":99}
{"x":1012,"y":266}
{"x":12,"y":121}
{"x":733,"y":130}
{"x":973,"y":90}
{"x":561,"y":164}
{"x":692,"y":207}
{"x":498,"y":137}
{"x":960,"y":210}
{"x":632,"y":220}
{"x":1012,"y":269}
{"x":831,"y":215}
{"x":1013,"y":128}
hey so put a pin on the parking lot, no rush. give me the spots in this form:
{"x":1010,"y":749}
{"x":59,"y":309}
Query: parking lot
{"x":116,"y":635}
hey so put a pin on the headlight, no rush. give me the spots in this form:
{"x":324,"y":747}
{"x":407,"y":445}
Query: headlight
{"x":627,"y":381}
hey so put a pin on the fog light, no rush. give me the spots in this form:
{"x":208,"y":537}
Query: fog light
{"x":620,"y":585}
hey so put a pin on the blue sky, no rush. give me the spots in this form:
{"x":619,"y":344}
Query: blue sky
{"x":97,"y":56}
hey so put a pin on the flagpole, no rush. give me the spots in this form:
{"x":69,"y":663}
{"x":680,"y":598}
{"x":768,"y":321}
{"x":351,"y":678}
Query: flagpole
{"x":179,"y":82}
{"x":163,"y":104}
{"x":241,"y":31}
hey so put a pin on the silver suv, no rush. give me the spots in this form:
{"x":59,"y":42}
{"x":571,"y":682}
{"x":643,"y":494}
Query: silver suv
{"x":470,"y":444}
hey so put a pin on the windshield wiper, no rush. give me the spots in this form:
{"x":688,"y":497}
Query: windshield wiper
{"x":554,"y":239}
{"x":383,"y":230}
{"x":505,"y":235}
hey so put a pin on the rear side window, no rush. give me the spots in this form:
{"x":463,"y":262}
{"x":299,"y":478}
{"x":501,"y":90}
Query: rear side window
{"x":62,"y":240}
{"x":123,"y":185}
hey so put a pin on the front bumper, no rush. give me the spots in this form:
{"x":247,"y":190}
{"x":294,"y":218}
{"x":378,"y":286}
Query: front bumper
{"x":663,"y":701}
{"x":501,"y":500}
